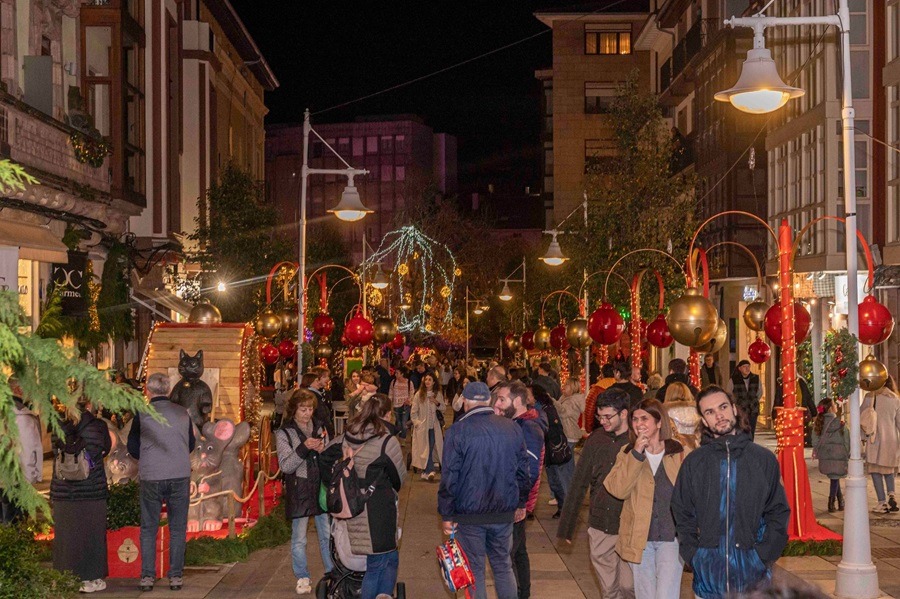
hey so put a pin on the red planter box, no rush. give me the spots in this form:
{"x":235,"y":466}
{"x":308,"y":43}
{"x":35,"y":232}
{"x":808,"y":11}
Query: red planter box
{"x":123,"y":552}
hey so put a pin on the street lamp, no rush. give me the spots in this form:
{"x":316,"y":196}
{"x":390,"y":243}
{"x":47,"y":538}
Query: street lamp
{"x":379,"y":281}
{"x":756,"y":91}
{"x":350,"y":209}
{"x":505,"y":293}
{"x":480,"y":308}
{"x":554,"y":255}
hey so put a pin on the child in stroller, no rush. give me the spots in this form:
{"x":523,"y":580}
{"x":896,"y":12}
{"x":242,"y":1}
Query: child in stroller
{"x":345,"y":579}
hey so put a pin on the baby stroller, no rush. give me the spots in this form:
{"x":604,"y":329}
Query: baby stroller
{"x":345,"y":580}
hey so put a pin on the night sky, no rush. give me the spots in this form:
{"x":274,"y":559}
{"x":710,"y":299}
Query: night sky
{"x":327,"y":53}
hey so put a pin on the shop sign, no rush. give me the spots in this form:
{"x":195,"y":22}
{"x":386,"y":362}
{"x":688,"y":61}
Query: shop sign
{"x":69,"y":281}
{"x":750,"y":293}
{"x":840,"y":292}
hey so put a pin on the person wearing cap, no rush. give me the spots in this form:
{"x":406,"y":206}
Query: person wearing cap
{"x":485,"y":482}
{"x":745,"y":388}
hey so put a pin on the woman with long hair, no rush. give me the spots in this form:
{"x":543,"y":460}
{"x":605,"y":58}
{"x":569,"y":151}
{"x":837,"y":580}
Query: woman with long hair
{"x":831,"y":445}
{"x":427,"y":437}
{"x":352,"y":391}
{"x":569,"y":407}
{"x":644,"y":477}
{"x":682,"y":410}
{"x":378,"y":460}
{"x":883,"y":447}
{"x":299,"y":442}
{"x":453,"y":392}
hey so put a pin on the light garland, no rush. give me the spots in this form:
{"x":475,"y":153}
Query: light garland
{"x":789,"y":429}
{"x":408,"y":248}
{"x":89,"y":150}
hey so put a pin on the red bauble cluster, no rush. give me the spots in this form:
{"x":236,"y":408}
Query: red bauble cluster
{"x":359,"y":330}
{"x":875,"y":321}
{"x":323,"y":325}
{"x":558,"y":339}
{"x":269,"y":353}
{"x":759,"y":351}
{"x":658,"y":334}
{"x":605,"y":325}
{"x":802,"y":323}
{"x":287,"y":349}
{"x":398,"y":341}
{"x":528,"y":340}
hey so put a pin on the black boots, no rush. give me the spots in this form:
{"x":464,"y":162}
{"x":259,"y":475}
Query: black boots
{"x":831,"y":505}
{"x":892,"y":503}
{"x":840,"y":500}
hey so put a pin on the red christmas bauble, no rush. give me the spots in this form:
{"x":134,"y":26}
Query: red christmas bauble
{"x":842,"y":372}
{"x":287,"y":349}
{"x":269,"y":353}
{"x":359,"y":330}
{"x":344,"y":341}
{"x":658,"y":333}
{"x":875,"y":321}
{"x":528,"y":340}
{"x":802,"y":323}
{"x":558,"y":339}
{"x":759,"y":351}
{"x":323,"y":325}
{"x":398,"y":341}
{"x":605,"y":325}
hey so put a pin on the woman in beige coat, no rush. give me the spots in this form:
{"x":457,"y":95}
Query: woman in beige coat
{"x":883,"y":448}
{"x":427,"y":437}
{"x":644,"y":477}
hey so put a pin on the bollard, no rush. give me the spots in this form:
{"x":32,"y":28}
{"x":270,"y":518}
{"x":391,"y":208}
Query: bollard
{"x":261,"y":490}
{"x":231,"y":528}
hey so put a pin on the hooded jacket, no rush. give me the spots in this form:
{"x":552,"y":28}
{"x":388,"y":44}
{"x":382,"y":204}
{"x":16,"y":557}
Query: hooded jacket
{"x":731,"y":515}
{"x":533,"y":430}
{"x":92,"y":435}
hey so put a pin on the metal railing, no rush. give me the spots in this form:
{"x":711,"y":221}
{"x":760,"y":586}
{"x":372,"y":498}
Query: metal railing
{"x":697,"y":38}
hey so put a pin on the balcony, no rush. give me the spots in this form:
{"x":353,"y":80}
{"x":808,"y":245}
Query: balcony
{"x":677,"y":73}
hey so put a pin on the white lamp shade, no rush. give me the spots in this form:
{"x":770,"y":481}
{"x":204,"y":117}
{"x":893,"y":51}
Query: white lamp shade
{"x":379,"y":281}
{"x":505,"y":294}
{"x":554,"y":255}
{"x":350,"y":208}
{"x":759,"y":89}
{"x":478,"y":310}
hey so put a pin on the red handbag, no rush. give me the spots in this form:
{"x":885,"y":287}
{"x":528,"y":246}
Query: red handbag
{"x":455,"y":567}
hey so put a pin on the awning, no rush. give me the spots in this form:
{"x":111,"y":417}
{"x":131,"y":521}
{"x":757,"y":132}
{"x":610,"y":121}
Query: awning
{"x":165,"y":299}
{"x":34,"y":242}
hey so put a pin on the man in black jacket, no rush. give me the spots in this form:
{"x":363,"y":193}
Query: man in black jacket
{"x":622,"y":374}
{"x":597,"y":459}
{"x":731,"y":544}
{"x":678,"y":373}
{"x":745,"y":387}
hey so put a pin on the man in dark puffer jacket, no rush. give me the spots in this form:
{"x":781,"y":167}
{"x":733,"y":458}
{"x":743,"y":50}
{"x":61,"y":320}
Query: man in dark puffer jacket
{"x":484,"y":480}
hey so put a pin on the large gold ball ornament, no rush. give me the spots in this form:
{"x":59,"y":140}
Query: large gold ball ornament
{"x":513,"y":343}
{"x":577,"y":333}
{"x":872,"y":374}
{"x":356,"y":352}
{"x":289,"y":318}
{"x":692,"y":319}
{"x":384,"y":330}
{"x":323,"y":351}
{"x":205,"y":313}
{"x":718,"y":340}
{"x":755,"y":315}
{"x":268,"y":324}
{"x":542,"y":338}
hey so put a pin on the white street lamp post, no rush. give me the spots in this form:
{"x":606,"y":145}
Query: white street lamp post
{"x":350,"y":209}
{"x":758,"y":92}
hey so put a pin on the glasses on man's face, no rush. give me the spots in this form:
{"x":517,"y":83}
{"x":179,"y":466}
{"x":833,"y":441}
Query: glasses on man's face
{"x":606,"y":417}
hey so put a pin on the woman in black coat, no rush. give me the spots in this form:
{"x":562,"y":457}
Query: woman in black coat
{"x":79,"y":506}
{"x":299,"y":443}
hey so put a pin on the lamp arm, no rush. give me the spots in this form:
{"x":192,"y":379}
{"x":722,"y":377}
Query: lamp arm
{"x":613,"y":268}
{"x":747,"y":251}
{"x":870,"y":263}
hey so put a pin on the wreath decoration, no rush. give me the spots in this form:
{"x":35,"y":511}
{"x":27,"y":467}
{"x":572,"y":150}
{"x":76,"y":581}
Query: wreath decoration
{"x":841,"y":360}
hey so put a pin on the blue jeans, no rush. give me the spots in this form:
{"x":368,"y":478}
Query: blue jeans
{"x":494,"y":543}
{"x":299,"y":528}
{"x":176,"y":493}
{"x":381,"y":574}
{"x":560,"y":478}
{"x":880,"y":480}
{"x":402,"y":417}
{"x":429,"y":465}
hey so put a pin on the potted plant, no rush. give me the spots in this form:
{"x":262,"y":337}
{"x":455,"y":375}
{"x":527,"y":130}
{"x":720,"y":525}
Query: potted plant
{"x":123,"y":533}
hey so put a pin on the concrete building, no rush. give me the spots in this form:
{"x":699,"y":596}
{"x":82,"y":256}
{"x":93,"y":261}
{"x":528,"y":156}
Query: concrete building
{"x":406,"y":160}
{"x":593,"y":51}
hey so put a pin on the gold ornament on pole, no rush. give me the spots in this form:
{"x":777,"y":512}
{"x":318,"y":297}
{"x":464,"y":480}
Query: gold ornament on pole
{"x":542,"y":338}
{"x":268,"y":324}
{"x":692,"y":319}
{"x":384,"y":330}
{"x":872,"y":374}
{"x":205,"y":313}
{"x":755,"y":315}
{"x":323,"y":351}
{"x":718,"y":340}
{"x":289,"y":318}
{"x":577,"y":334}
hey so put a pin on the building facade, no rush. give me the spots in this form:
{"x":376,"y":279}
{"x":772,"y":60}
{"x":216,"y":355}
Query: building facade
{"x":405,"y":158}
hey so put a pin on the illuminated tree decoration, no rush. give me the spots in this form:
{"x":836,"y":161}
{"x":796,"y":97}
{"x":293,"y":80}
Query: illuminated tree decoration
{"x":425,"y":279}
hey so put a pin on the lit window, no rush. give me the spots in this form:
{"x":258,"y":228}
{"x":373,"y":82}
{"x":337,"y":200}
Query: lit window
{"x":607,"y":39}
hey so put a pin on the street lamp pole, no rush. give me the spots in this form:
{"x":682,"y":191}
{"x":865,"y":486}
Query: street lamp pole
{"x":856,"y":574}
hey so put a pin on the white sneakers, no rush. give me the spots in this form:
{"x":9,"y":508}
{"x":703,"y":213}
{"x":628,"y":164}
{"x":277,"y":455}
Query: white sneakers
{"x":303,"y":587}
{"x":553,"y":502}
{"x":881,"y":508}
{"x":92,"y":586}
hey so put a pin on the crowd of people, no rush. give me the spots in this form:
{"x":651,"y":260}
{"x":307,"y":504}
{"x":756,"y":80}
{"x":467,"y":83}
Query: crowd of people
{"x":676,"y":482}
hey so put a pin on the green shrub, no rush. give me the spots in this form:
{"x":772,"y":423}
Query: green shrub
{"x":21,"y":574}
{"x":269,"y":531}
{"x":806,"y":548}
{"x":123,"y":508}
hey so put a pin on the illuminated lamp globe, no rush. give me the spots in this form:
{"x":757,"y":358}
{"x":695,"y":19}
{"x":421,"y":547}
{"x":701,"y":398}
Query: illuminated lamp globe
{"x":759,"y":89}
{"x":755,"y":315}
{"x":577,"y":334}
{"x":875,"y":321}
{"x":380,"y":281}
{"x":384,"y":330}
{"x":205,"y":313}
{"x":554,"y":255}
{"x":692,"y":319}
{"x":505,"y":294}
{"x":542,"y":338}
{"x":268,"y":324}
{"x":350,"y":208}
{"x":718,"y":340}
{"x":872,"y":374}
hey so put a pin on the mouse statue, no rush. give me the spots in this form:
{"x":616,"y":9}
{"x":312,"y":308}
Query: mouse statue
{"x":215,"y":467}
{"x":120,"y":466}
{"x":191,"y":392}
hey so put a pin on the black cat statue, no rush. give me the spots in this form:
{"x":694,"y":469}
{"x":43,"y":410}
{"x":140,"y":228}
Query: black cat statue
{"x":190,"y":392}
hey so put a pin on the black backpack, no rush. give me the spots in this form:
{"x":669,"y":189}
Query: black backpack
{"x":346,"y":494}
{"x":557,"y":451}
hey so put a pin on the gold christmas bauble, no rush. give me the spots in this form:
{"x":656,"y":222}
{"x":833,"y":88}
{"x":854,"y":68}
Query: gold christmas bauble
{"x":872,"y":374}
{"x":384,"y":330}
{"x":577,"y":333}
{"x":356,"y":352}
{"x":542,"y":338}
{"x":755,"y":315}
{"x":692,"y":319}
{"x":513,"y":343}
{"x":268,"y":324}
{"x":289,"y":318}
{"x":323,"y":351}
{"x":205,"y":313}
{"x":718,"y":340}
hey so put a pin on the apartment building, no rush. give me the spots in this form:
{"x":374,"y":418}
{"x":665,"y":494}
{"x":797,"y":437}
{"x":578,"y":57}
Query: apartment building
{"x":405,"y":158}
{"x":593,"y":51}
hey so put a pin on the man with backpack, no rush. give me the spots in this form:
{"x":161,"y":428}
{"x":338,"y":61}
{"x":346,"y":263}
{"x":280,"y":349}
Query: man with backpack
{"x":511,"y":400}
{"x":485,"y":481}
